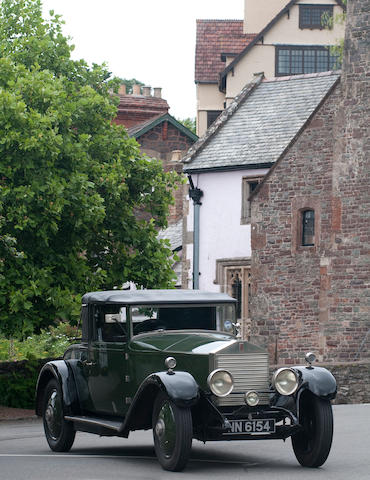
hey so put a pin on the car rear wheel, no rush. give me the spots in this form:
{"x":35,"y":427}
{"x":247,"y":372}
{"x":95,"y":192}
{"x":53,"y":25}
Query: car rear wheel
{"x":172,"y":433}
{"x":312,"y":444}
{"x":59,"y":433}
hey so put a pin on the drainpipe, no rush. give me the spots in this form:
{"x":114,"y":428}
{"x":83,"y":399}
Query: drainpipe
{"x":195,"y":194}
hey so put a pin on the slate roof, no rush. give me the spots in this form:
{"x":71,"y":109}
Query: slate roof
{"x":216,"y":37}
{"x":260,"y":124}
{"x":174,"y":234}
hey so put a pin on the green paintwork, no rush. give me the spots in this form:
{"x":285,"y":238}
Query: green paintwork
{"x":105,"y":385}
{"x":186,"y":341}
{"x":108,"y":374}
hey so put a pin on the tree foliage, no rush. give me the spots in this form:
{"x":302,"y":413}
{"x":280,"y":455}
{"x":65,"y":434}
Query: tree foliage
{"x":130,"y":83}
{"x":189,"y":123}
{"x":328,"y":22}
{"x":79,"y":205}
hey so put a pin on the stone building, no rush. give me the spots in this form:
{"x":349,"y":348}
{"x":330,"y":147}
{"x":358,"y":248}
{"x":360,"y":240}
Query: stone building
{"x":227,"y":164}
{"x":311,"y":231}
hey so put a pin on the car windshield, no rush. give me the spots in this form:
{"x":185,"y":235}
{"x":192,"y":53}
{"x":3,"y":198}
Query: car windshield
{"x":182,"y":317}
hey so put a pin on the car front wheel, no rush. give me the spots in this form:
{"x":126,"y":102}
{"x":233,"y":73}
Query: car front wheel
{"x":172,"y":433}
{"x":59,"y":433}
{"x":312,"y":444}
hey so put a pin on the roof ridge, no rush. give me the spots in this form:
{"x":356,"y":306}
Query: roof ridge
{"x":219,"y":20}
{"x":302,"y":76}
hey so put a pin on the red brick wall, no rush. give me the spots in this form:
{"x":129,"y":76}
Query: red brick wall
{"x":160,"y":142}
{"x":316,"y":298}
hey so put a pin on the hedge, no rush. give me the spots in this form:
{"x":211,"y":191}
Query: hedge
{"x":18,"y":382}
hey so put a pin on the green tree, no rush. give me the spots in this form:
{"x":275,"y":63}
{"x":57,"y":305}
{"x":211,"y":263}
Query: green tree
{"x":328,"y":22}
{"x":79,"y":205}
{"x":129,"y":84}
{"x":189,"y":123}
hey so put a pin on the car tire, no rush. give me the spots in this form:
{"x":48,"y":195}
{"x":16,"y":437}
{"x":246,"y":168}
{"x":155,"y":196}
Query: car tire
{"x":172,"y":433}
{"x":59,"y":433}
{"x":312,"y":444}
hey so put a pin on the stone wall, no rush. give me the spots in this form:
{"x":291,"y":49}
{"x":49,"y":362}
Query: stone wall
{"x":350,"y":381}
{"x":289,"y":284}
{"x":317,"y":297}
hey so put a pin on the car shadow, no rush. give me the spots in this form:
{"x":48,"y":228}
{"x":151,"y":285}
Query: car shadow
{"x":200,"y":458}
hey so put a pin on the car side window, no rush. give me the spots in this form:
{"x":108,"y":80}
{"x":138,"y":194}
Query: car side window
{"x":110,"y":323}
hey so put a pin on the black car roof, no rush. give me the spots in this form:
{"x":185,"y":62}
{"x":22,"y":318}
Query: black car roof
{"x":144,"y":297}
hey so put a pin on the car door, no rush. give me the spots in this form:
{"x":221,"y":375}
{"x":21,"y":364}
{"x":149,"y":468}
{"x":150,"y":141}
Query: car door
{"x":104,"y":367}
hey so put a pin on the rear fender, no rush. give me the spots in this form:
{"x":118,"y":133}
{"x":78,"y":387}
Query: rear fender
{"x":180,"y":387}
{"x":62,"y":372}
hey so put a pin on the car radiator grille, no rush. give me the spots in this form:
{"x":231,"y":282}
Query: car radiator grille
{"x":250,"y":372}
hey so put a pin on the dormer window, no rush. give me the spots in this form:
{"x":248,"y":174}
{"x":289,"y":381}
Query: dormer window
{"x":311,"y":16}
{"x":308,"y":228}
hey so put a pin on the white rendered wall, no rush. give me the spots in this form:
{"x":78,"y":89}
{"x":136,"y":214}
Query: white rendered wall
{"x":221,"y":234}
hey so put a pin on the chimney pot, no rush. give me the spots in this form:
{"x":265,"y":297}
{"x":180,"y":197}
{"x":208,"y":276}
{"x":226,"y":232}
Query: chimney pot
{"x":122,"y":89}
{"x":135,"y":89}
{"x":176,"y":155}
{"x":147,"y":91}
{"x":158,"y":92}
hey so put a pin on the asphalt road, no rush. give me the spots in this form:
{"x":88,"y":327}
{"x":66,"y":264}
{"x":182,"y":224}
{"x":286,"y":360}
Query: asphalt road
{"x":24,"y":454}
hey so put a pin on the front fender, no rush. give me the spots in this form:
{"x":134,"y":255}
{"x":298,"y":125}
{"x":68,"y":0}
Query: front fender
{"x":180,"y":387}
{"x":61,"y":371}
{"x":317,"y":380}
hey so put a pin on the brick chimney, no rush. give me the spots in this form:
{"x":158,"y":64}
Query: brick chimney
{"x":147,"y":91}
{"x":136,"y":108}
{"x":158,"y":92}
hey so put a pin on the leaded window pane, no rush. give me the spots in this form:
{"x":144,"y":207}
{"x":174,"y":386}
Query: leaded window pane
{"x":316,"y":16}
{"x":309,"y":61}
{"x":322,"y":61}
{"x":296,"y":61}
{"x":311,"y":16}
{"x":284,"y":61}
{"x":305,"y":16}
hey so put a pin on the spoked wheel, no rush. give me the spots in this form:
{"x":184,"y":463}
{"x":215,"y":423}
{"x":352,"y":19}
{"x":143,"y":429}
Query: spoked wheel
{"x":59,"y":433}
{"x":172,"y":433}
{"x":312,"y":445}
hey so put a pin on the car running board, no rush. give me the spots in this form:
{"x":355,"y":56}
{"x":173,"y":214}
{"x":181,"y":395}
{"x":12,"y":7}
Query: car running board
{"x":97,"y":425}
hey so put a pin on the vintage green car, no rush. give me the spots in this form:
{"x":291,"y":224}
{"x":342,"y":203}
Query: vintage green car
{"x":172,"y":361}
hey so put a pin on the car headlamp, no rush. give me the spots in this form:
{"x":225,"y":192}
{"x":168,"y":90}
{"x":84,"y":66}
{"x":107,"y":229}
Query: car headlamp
{"x":220,"y":382}
{"x":285,"y":381}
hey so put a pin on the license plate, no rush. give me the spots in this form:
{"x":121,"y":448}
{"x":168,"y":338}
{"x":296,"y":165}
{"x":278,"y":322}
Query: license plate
{"x":252,"y":427}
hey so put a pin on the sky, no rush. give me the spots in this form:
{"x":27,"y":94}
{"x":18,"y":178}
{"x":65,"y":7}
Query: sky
{"x":150,"y":40}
